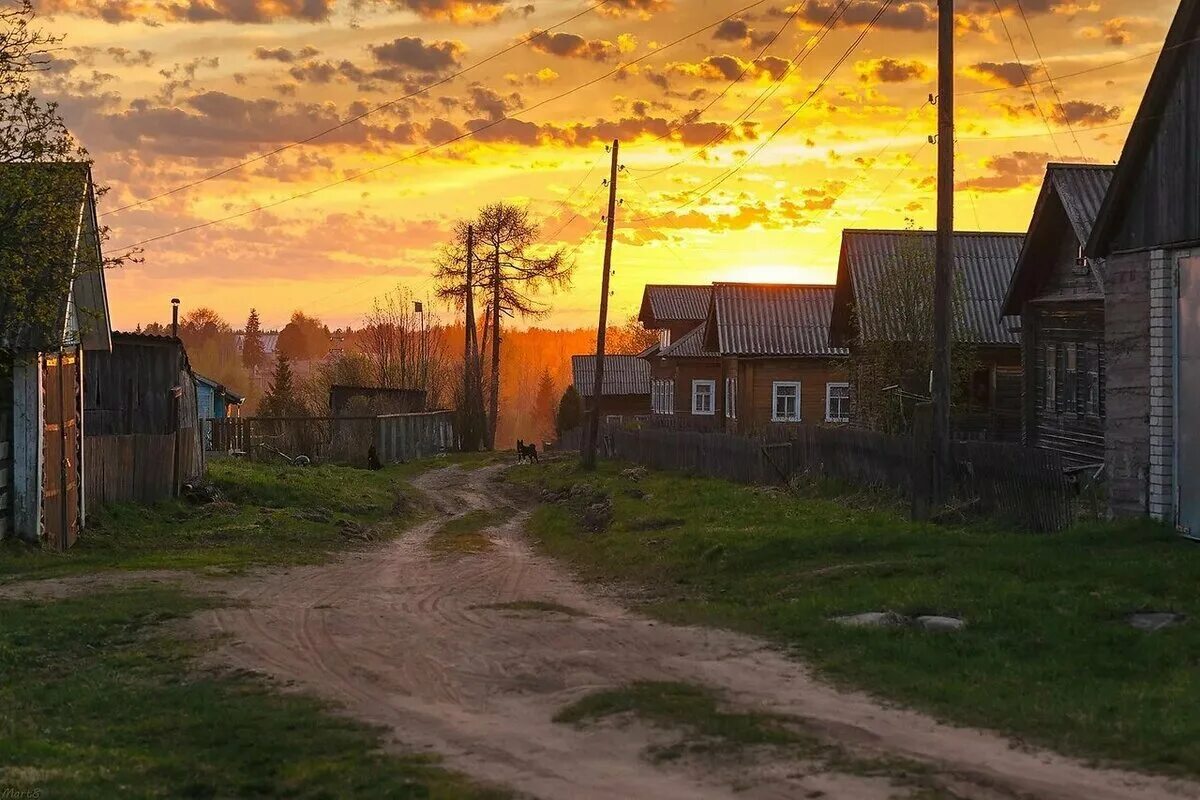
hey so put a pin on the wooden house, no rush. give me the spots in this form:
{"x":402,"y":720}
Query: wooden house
{"x":143,"y":429}
{"x":626,"y":390}
{"x":864,"y":313}
{"x":674,"y":310}
{"x":54,"y":314}
{"x":1059,"y":295}
{"x":1148,"y":233}
{"x":214,"y":402}
{"x":686,"y":382}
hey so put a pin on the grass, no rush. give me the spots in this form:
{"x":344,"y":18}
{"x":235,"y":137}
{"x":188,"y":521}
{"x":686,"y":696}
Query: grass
{"x":268,"y":514}
{"x":99,"y":702}
{"x":464,"y":535}
{"x":1046,"y":656}
{"x":537,"y":606}
{"x":692,"y":709}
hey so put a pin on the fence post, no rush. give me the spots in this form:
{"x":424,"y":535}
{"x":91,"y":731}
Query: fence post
{"x":922,"y":479}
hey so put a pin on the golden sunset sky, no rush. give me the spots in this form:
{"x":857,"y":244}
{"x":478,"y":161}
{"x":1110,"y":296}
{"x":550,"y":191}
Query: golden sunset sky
{"x":166,"y":92}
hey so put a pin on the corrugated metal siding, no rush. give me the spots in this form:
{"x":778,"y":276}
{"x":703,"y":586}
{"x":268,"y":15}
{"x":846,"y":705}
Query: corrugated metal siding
{"x":623,"y":375}
{"x":985,"y":262}
{"x":774,"y":320}
{"x":678,"y":303}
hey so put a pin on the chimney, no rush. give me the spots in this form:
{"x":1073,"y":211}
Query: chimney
{"x":175,"y":317}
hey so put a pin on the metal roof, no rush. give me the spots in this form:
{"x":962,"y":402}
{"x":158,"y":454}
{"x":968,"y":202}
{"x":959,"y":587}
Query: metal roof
{"x":690,"y":345}
{"x":772,"y":320}
{"x":985,"y":262}
{"x":1082,"y":188}
{"x":667,"y":304}
{"x":623,"y":375}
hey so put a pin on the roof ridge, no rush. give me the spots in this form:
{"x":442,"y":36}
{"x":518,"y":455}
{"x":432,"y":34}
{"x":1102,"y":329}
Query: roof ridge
{"x":926,"y":232}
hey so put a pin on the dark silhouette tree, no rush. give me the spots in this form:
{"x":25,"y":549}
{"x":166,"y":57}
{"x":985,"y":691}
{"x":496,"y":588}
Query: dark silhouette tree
{"x":253,"y":355}
{"x":304,"y":338}
{"x":282,"y":398}
{"x":570,"y":411}
{"x":543,"y":405}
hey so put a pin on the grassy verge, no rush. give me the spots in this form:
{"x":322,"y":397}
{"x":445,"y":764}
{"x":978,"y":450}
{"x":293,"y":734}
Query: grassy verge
{"x":267,"y":514}
{"x":1046,"y":656}
{"x":465,"y":535}
{"x":99,"y":703}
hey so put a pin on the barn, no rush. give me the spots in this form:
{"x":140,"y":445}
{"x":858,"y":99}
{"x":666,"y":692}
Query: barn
{"x":53,"y":314}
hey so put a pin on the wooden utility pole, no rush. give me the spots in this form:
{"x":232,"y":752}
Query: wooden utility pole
{"x":943,"y":283}
{"x":593,"y":424}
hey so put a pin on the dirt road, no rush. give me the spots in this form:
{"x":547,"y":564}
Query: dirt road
{"x":404,"y":639}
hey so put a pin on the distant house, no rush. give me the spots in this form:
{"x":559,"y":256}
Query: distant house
{"x":626,"y":389}
{"x":1148,"y":233}
{"x":142,"y":426}
{"x":1059,"y":295}
{"x":984,"y":266}
{"x":674,"y":310}
{"x":42,"y":464}
{"x":214,"y":402}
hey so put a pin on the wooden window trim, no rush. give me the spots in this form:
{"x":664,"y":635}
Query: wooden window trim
{"x":712,"y":397}
{"x":829,"y":387}
{"x":775,"y":387}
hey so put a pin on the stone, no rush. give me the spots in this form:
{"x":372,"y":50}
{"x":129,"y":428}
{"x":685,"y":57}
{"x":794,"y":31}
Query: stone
{"x":940,"y":624}
{"x":634,"y":473}
{"x":873,"y":619}
{"x":1155,"y":620}
{"x":597,"y":517}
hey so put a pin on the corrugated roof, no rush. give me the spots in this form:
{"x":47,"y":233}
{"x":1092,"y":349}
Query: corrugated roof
{"x":985,"y":262}
{"x":773,"y":320}
{"x":623,"y":375}
{"x":667,"y":304}
{"x":1082,"y":188}
{"x":691,"y":345}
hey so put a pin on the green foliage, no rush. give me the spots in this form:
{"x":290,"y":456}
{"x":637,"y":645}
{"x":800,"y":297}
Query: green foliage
{"x":1047,"y":655}
{"x":570,"y":411}
{"x":304,"y":338}
{"x":282,"y":398}
{"x":253,"y":355}
{"x":99,"y":702}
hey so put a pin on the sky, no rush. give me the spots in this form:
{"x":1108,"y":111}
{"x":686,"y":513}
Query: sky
{"x":752,"y":133}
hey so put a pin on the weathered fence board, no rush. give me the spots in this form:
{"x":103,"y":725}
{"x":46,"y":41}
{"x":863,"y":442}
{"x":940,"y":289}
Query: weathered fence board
{"x":133,"y":468}
{"x":403,"y":437}
{"x":335,"y":440}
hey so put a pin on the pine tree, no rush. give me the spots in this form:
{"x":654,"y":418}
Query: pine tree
{"x":570,"y":411}
{"x":280,"y":399}
{"x":253,"y":355}
{"x":543,"y":405}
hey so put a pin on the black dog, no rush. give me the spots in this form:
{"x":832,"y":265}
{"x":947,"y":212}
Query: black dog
{"x":373,"y":461}
{"x":526,"y":452}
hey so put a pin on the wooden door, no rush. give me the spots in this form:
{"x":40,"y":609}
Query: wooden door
{"x":60,"y":505}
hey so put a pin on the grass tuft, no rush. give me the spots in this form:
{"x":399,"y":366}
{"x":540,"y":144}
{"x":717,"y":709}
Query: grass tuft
{"x":464,"y":535}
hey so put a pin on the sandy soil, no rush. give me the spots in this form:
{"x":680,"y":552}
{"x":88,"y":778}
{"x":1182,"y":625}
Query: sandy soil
{"x":400,"y":638}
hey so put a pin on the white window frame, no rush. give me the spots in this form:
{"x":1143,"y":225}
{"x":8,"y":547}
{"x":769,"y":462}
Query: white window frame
{"x":829,"y":387}
{"x":775,"y":387}
{"x":731,"y":397}
{"x":662,"y":397}
{"x":711,"y":385}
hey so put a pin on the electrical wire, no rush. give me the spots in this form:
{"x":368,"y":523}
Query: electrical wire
{"x":1032,"y":92}
{"x":1050,"y":79}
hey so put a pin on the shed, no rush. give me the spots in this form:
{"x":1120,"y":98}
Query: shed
{"x":1059,"y":295}
{"x":626,"y":390}
{"x":54,"y":313}
{"x":143,"y":429}
{"x":1148,"y":233}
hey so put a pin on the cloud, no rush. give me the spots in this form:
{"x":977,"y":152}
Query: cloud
{"x":1072,"y":112}
{"x":414,"y":53}
{"x":1013,"y":171}
{"x":732,"y":30}
{"x":1006,"y":74}
{"x":909,"y":16}
{"x":159,"y":11}
{"x":572,"y":45}
{"x":641,"y":8}
{"x":1115,"y":31}
{"x":725,"y":67}
{"x":470,"y":12}
{"x":284,"y":54}
{"x":891,"y":70}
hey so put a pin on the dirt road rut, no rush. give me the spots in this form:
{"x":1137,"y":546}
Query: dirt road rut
{"x":405,"y":639}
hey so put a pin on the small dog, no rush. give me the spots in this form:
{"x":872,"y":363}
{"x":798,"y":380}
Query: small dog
{"x":373,"y":461}
{"x":526,"y":452}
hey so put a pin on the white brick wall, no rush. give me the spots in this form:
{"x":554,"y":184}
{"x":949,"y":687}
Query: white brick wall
{"x":1163,"y":308}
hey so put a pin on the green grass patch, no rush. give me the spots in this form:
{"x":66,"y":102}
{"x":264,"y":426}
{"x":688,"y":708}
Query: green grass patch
{"x":268,"y":514}
{"x":536,"y":606}
{"x":1046,"y":656}
{"x":99,"y":702}
{"x":464,"y":535}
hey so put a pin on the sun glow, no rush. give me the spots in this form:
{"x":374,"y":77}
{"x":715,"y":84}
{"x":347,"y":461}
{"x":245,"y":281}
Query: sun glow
{"x":775,"y":273}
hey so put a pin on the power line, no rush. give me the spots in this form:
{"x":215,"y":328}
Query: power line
{"x":1061,"y":106}
{"x":357,"y":117}
{"x":1032,"y":92}
{"x":430,"y":148}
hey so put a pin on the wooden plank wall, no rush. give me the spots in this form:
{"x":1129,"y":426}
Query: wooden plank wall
{"x":136,"y":468}
{"x":404,"y":437}
{"x":6,"y":430}
{"x":27,"y":448}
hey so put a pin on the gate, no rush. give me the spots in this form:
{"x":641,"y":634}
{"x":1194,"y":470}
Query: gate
{"x":60,"y":498}
{"x":1187,"y":370}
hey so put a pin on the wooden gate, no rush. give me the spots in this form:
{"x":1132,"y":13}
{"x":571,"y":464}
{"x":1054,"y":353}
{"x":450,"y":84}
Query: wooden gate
{"x":60,"y":504}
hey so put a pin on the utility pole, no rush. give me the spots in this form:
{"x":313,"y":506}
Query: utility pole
{"x":593,"y":424}
{"x":944,"y":264}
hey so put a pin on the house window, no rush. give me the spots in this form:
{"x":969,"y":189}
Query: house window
{"x":731,"y":398}
{"x":662,"y":397}
{"x":1092,"y":365}
{"x":704,"y":397}
{"x":1050,"y":382}
{"x":1070,"y":382}
{"x":837,"y":402}
{"x":785,"y":401}
{"x":664,"y":338}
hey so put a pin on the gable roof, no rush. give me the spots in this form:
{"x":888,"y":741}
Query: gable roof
{"x":1176,"y":50}
{"x":667,"y":304}
{"x":985,"y":262}
{"x":691,"y":345}
{"x":219,"y":388}
{"x":762,"y":319}
{"x":1080,"y":190}
{"x":57,"y":244}
{"x":623,"y":375}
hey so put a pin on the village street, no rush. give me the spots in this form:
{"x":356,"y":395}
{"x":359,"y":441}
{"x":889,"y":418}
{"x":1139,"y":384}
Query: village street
{"x":421,"y":645}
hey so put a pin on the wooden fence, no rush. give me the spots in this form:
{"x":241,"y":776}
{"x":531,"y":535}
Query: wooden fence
{"x":134,"y":468}
{"x":334,"y":440}
{"x":1027,"y":487}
